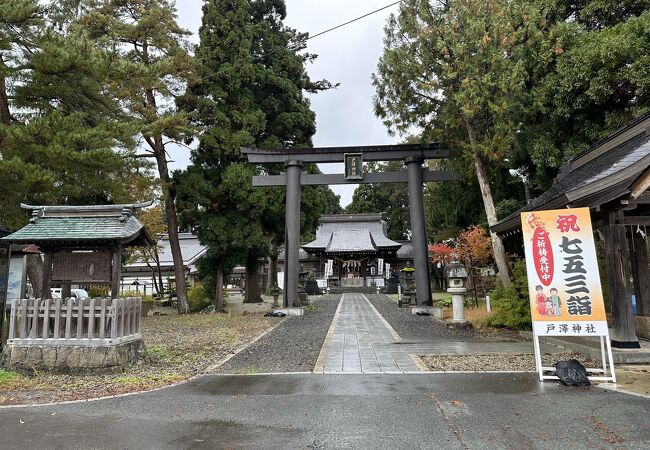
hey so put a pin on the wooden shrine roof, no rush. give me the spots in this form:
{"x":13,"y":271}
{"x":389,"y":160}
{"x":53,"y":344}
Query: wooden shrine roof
{"x":87,"y":225}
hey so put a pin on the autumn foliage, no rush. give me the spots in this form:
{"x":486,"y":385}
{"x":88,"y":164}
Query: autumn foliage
{"x":440,"y":252}
{"x":473,"y":245}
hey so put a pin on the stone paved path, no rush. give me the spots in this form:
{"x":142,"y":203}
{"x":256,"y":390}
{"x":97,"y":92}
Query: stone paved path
{"x":361,"y":341}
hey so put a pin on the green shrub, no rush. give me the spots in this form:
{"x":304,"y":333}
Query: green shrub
{"x":443,"y":302}
{"x":511,"y":305}
{"x":198,"y":297}
{"x":127,"y":294}
{"x":96,"y":291}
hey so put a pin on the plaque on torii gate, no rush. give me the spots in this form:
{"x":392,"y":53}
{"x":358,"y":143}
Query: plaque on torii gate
{"x":415,"y":175}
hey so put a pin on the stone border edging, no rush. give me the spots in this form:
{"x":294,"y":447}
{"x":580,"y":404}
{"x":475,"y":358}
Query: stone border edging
{"x":319,"y":367}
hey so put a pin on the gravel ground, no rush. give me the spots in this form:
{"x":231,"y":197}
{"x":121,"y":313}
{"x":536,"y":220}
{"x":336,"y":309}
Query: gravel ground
{"x":499,"y":361}
{"x":426,"y":329}
{"x":293,"y":346}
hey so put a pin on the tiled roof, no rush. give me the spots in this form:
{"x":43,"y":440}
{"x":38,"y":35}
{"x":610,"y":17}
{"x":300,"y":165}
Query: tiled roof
{"x":350,"y":233}
{"x":191,"y":250}
{"x":86,"y":224}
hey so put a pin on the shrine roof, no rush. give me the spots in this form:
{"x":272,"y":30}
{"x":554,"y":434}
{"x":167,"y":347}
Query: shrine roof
{"x":351,"y":233}
{"x":88,"y":225}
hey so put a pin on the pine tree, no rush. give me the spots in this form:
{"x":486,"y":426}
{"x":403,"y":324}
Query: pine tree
{"x":151,"y":66}
{"x":62,"y":141}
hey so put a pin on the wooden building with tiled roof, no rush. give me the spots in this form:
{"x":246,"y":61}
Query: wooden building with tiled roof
{"x":612,"y":179}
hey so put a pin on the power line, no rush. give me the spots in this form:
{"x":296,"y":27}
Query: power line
{"x":353,"y":20}
{"x":255,"y":59}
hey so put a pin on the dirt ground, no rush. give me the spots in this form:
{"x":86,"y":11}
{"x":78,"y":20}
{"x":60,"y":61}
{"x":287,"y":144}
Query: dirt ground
{"x":178,"y":348}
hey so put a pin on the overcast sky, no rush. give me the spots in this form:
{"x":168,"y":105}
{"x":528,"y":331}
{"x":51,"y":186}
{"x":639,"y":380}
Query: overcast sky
{"x":348,"y":56}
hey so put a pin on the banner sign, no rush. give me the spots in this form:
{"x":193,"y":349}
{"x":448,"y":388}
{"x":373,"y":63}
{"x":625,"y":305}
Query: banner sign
{"x":329,"y":268}
{"x":563,"y":281}
{"x":380,"y":267}
{"x":387,"y":270}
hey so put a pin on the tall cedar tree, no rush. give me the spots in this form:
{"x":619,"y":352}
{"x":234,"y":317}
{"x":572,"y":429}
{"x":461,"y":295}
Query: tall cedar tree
{"x":250,"y":93}
{"x":151,"y":66}
{"x":454,"y":69}
{"x":62,"y":140}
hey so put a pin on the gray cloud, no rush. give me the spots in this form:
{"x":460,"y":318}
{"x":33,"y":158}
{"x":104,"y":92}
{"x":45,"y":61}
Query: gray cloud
{"x":348,"y":56}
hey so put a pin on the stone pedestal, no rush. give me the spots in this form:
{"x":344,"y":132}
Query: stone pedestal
{"x":73,"y":358}
{"x":458,"y":307}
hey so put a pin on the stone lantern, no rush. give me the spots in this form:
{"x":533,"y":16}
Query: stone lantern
{"x":456,"y":276}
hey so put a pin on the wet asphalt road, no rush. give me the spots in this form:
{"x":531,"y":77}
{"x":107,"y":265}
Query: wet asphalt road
{"x":341,"y":411}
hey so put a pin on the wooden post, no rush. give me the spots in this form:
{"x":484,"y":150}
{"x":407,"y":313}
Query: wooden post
{"x":116,"y":272}
{"x":47,"y":274}
{"x":68,"y":319}
{"x":639,"y":258}
{"x":34,"y":331}
{"x":114,"y":319}
{"x":80,"y":316}
{"x":23,"y":318}
{"x":102,"y":319}
{"x":122,"y":314}
{"x":91,"y":320}
{"x":619,"y":298}
{"x":46,"y":318}
{"x":137,"y":305}
{"x":57,"y":318}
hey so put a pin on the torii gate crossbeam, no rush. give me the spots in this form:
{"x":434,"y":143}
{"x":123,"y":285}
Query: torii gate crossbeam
{"x":413,"y":156}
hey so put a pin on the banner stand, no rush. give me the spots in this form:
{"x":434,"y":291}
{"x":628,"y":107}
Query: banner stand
{"x":605,"y":356}
{"x":566,"y":298}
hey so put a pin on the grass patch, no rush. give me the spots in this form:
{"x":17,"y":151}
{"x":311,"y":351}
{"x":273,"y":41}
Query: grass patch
{"x":178,"y":347}
{"x":7,"y":376}
{"x":478,"y":316}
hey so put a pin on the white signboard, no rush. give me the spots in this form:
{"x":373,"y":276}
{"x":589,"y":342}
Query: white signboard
{"x":380,"y":267}
{"x":566,"y":297}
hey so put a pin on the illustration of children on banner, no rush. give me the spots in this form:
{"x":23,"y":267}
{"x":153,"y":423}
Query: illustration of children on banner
{"x":548,"y":305}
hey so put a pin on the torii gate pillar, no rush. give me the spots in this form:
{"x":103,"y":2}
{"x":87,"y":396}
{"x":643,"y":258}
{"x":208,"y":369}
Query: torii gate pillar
{"x":418,"y":231}
{"x":292,"y":237}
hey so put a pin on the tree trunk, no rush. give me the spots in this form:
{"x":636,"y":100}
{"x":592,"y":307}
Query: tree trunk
{"x":490,"y":211}
{"x":153,"y":279}
{"x":35,"y":273}
{"x":161,"y":288}
{"x":273,"y":267}
{"x":158,"y":148}
{"x":218,"y":297}
{"x":172,"y":229}
{"x":252,"y":285}
{"x":5,"y":112}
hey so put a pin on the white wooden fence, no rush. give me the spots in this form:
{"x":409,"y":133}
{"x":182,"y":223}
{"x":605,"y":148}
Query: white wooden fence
{"x":86,"y":321}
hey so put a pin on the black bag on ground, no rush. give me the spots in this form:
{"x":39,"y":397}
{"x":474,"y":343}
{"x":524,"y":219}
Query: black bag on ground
{"x":572,"y":373}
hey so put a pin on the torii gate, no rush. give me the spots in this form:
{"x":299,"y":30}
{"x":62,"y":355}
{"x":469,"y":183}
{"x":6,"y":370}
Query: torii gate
{"x":415,"y":175}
